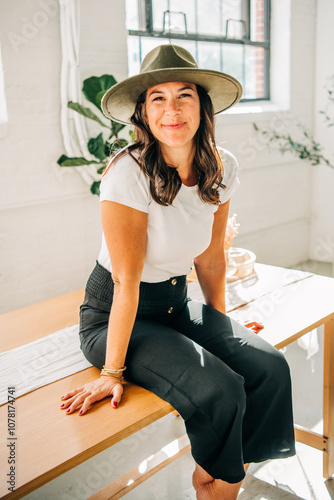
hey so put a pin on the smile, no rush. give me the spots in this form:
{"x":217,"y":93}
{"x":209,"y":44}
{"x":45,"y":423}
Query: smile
{"x":174,"y":126}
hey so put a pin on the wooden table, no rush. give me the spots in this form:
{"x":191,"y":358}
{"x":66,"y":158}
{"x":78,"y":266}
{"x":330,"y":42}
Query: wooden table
{"x":289,"y":304}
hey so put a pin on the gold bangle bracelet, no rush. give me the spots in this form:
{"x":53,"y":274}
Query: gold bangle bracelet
{"x":114,"y":375}
{"x":115,"y":369}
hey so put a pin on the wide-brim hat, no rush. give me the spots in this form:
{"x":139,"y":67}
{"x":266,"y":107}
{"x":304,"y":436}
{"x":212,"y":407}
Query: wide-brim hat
{"x":169,"y":63}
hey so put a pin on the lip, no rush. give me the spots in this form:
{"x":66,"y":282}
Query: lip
{"x":173,"y":126}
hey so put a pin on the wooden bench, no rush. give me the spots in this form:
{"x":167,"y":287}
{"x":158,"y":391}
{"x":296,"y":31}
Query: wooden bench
{"x":42,"y":428}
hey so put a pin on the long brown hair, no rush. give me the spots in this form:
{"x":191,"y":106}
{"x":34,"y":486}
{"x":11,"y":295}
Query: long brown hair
{"x":165,"y":181}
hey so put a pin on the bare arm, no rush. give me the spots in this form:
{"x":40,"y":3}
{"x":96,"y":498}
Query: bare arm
{"x":125,"y":231}
{"x":211,"y":266}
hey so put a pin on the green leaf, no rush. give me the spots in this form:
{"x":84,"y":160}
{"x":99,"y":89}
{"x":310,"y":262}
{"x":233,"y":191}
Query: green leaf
{"x":132,"y":135}
{"x":95,"y":187}
{"x":95,"y":86}
{"x":99,"y":99}
{"x":66,"y":161}
{"x":101,"y":170}
{"x":117,"y":145}
{"x":88,"y":113}
{"x":96,"y":147}
{"x":116,"y":128}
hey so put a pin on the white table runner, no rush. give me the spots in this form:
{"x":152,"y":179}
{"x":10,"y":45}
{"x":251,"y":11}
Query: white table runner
{"x":41,"y":362}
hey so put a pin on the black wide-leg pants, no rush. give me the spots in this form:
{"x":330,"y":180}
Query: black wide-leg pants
{"x":232,"y":388}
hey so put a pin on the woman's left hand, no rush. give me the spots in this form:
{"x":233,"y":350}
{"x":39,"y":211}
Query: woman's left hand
{"x":98,"y":389}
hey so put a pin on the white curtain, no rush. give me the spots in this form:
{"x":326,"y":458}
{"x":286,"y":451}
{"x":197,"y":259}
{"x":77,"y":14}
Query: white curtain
{"x":73,"y":124}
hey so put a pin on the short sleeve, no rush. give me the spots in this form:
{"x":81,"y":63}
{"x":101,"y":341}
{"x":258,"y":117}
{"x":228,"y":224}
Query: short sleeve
{"x":126,"y":183}
{"x":230,"y":179}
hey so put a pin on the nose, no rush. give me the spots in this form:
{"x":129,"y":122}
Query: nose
{"x":172,"y":107}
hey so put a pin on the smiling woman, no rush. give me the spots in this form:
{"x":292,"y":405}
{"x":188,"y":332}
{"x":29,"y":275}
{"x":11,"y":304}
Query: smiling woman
{"x":164,"y":208}
{"x":173,"y":114}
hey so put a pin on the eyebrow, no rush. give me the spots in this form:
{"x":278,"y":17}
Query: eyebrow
{"x":161,"y":92}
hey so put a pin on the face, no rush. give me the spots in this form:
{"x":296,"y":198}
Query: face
{"x":173,"y":113}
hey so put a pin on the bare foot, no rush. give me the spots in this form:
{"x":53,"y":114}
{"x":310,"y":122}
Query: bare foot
{"x":208,"y":488}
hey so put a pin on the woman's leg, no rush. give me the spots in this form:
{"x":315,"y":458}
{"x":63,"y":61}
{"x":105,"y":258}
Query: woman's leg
{"x":205,"y":391}
{"x":209,"y":488}
{"x":268,"y":422}
{"x":168,"y":363}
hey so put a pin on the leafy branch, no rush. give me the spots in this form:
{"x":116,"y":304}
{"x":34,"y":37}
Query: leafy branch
{"x":306,"y":147}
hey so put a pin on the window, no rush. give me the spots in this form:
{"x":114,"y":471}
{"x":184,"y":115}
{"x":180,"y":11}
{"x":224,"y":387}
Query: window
{"x":226,"y":35}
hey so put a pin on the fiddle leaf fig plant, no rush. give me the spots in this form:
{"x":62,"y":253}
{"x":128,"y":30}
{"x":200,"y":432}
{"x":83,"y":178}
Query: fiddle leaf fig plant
{"x":99,"y":147}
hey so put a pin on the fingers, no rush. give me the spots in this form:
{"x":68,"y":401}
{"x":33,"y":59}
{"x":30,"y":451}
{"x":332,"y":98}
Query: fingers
{"x":254,"y":326}
{"x":117,"y":395}
{"x":72,"y":393}
{"x":85,"y":396}
{"x":73,"y":402}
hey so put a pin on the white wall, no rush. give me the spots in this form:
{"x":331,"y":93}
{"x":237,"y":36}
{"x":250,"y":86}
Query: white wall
{"x":50,"y":229}
{"x":49,"y":221}
{"x":273,"y":202}
{"x":322,"y":240}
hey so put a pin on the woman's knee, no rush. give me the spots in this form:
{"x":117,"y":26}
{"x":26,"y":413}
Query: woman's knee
{"x":275,"y":370}
{"x":217,"y":388}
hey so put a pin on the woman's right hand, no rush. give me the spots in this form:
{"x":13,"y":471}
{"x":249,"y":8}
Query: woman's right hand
{"x":94,"y":391}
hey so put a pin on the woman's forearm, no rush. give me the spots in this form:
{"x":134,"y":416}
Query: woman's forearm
{"x":212,"y":282}
{"x":121,"y":321}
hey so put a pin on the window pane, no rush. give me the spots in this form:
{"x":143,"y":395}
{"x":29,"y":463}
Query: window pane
{"x":132,"y":15}
{"x":179,"y":18}
{"x":159,"y":7}
{"x":209,"y":17}
{"x":188,"y":8}
{"x":233,"y":59}
{"x":209,"y":55}
{"x":233,"y":18}
{"x":257,"y":20}
{"x":254,"y":73}
{"x":133,"y":55}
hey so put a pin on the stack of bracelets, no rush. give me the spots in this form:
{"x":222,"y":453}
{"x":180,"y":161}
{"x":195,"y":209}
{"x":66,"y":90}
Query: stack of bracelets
{"x":114,"y":372}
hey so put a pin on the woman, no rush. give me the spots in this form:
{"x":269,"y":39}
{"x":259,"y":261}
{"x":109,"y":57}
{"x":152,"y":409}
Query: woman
{"x":164,"y":207}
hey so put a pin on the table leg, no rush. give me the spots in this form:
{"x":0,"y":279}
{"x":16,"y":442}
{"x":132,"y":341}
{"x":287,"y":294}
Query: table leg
{"x":328,"y":403}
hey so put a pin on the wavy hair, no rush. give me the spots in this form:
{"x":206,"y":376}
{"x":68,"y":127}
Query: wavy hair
{"x":165,"y":181}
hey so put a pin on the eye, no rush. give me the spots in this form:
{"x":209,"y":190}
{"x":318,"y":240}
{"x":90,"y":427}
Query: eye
{"x":159,"y":98}
{"x":185,"y":95}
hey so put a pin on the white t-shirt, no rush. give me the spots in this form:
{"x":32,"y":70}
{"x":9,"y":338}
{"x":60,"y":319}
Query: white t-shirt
{"x":176,"y":234}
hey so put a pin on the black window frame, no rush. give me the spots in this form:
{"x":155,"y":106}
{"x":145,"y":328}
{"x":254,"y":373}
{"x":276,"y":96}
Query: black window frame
{"x":147,"y":10}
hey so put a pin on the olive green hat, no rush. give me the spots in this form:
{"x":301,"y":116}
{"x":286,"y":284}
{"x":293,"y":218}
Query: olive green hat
{"x":169,"y":63}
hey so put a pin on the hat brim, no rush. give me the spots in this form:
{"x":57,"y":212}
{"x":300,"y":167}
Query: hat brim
{"x":118,"y":103}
